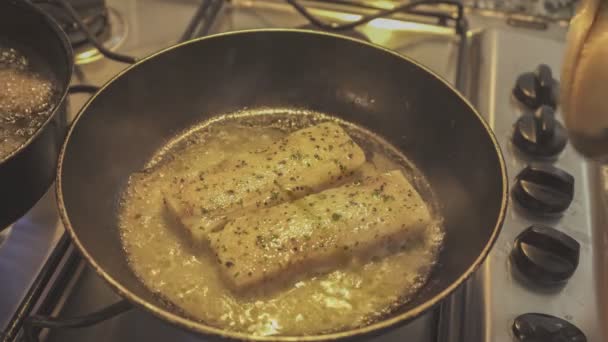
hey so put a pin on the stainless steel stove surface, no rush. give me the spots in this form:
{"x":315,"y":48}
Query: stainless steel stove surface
{"x":496,"y":52}
{"x":553,"y":9}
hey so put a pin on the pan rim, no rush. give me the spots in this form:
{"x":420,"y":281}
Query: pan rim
{"x":202,"y":328}
{"x":65,"y":84}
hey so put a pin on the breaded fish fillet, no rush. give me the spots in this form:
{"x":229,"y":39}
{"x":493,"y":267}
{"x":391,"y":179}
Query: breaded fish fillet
{"x":319,"y":232}
{"x":303,"y":162}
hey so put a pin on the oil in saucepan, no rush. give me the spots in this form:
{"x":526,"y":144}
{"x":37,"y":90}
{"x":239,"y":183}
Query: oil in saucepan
{"x":27,"y":95}
{"x":174,"y":269}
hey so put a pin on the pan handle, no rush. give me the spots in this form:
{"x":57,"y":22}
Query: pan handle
{"x":33,"y":324}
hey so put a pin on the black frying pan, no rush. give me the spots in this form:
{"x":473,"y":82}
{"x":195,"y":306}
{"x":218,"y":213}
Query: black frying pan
{"x":27,"y":172}
{"x":145,"y":106}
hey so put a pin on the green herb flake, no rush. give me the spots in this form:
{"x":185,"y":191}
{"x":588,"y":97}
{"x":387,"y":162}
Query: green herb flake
{"x":297,"y":156}
{"x":274,"y":196}
{"x":335,"y":216}
{"x":387,"y":198}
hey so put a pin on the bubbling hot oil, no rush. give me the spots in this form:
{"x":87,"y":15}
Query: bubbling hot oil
{"x":339,"y":300}
{"x":26,"y":99}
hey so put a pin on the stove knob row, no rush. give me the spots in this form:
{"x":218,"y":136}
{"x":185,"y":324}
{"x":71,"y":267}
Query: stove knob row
{"x":544,"y":189}
{"x":545,"y":255}
{"x":542,"y":255}
{"x":538,"y":88}
{"x":536,"y":327}
{"x":540,"y":134}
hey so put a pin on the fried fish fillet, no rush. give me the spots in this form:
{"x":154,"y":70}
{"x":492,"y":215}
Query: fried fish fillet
{"x":303,"y":162}
{"x":320,"y":231}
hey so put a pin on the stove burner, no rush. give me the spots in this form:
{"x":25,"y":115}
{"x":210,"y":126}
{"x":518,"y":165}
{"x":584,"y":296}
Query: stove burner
{"x":112,"y":36}
{"x":349,"y":33}
{"x":92,"y":12}
{"x":96,"y":24}
{"x":104,"y":23}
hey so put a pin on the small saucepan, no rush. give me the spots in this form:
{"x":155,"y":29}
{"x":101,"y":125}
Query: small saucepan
{"x":27,"y":171}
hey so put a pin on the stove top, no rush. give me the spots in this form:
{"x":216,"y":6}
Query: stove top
{"x":49,"y":278}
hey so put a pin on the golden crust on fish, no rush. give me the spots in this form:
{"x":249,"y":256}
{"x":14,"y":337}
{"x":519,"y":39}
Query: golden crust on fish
{"x":303,"y":162}
{"x":319,"y":232}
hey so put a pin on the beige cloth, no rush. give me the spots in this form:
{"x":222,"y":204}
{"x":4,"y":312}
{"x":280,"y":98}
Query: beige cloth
{"x":584,"y":79}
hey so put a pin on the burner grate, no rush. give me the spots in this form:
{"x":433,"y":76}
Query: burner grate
{"x":92,"y":12}
{"x":84,"y":24}
{"x":207,"y":12}
{"x":204,"y":17}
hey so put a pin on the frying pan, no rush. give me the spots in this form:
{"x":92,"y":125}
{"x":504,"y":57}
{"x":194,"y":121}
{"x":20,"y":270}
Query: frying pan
{"x":142,"y":108}
{"x":27,"y":172}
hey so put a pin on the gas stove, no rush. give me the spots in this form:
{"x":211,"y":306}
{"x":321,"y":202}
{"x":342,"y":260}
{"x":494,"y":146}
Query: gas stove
{"x":503,"y":57}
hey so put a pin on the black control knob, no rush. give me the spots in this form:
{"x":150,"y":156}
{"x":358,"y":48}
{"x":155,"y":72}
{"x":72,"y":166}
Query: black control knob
{"x":544,"y":189}
{"x":538,"y":88}
{"x":545,"y":255}
{"x":540,"y":134}
{"x":537,"y":327}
